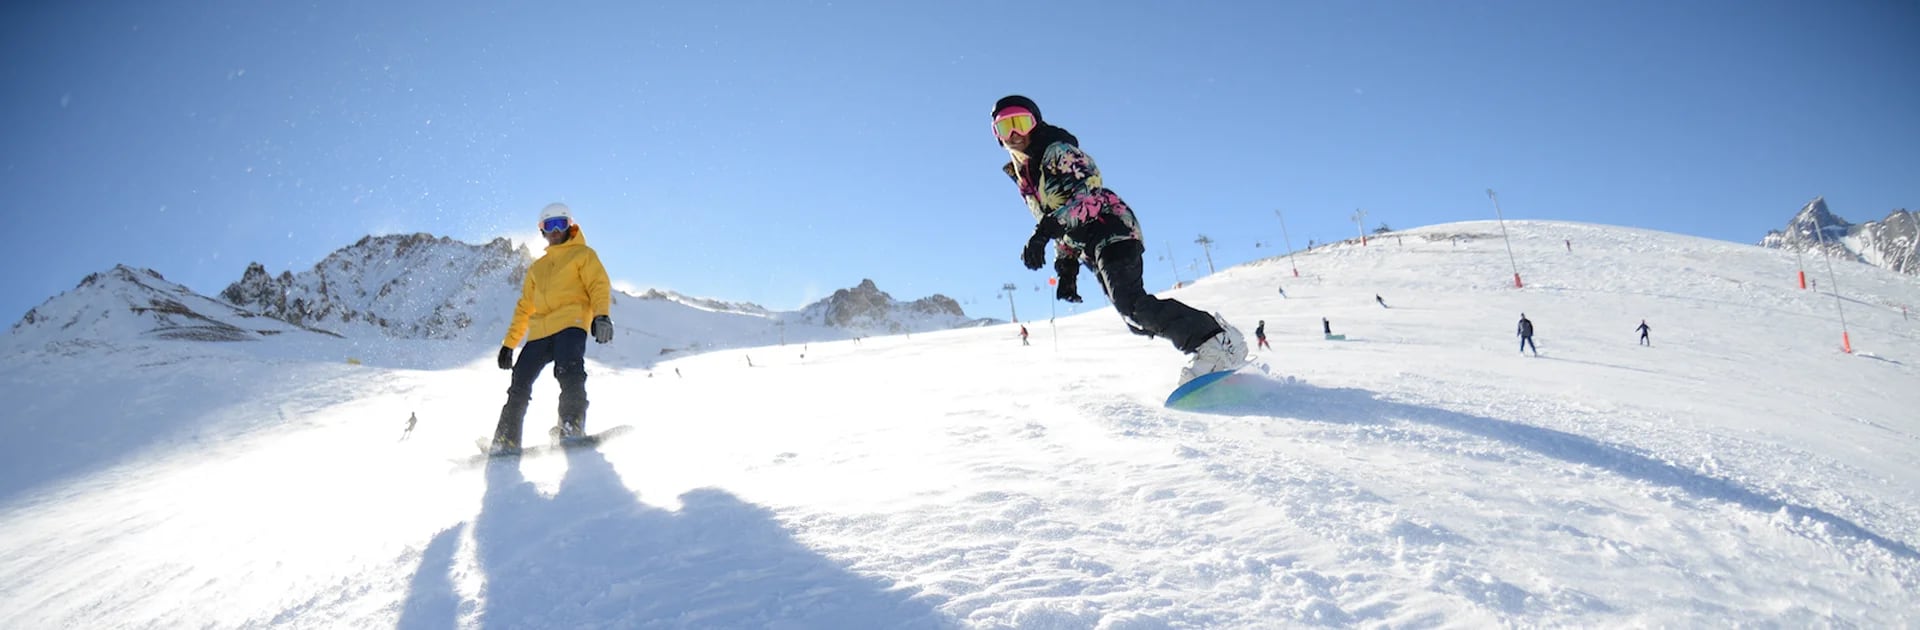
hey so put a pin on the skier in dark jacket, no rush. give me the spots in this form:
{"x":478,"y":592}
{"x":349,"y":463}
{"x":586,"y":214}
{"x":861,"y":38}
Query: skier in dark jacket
{"x":1070,"y":205}
{"x":1643,"y":333}
{"x":1526,"y":335}
{"x":1260,"y":333}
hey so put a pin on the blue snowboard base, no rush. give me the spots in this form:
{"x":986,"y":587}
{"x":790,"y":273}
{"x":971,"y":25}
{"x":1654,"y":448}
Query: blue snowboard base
{"x":1219,"y":389}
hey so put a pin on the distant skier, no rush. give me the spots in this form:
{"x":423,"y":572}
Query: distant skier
{"x":1260,"y":332}
{"x":1526,"y":335}
{"x":1062,"y":188}
{"x":412,"y":419}
{"x":1326,"y":326}
{"x":565,"y":291}
{"x":1023,"y":335}
{"x":1643,"y":333}
{"x":1569,"y":245}
{"x":1382,"y":301}
{"x":1283,"y":292}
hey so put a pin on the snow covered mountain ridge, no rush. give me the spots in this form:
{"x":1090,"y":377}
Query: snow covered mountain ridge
{"x":1890,"y":243}
{"x":418,"y":286}
{"x":124,"y":303}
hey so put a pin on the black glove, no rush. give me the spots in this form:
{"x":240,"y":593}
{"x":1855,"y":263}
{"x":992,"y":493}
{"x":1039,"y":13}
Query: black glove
{"x":1068,"y":269}
{"x":506,"y":358}
{"x":602,"y":329}
{"x":1035,"y":254}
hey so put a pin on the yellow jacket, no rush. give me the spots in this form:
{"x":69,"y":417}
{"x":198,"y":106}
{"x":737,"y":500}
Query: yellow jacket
{"x":566,"y":288}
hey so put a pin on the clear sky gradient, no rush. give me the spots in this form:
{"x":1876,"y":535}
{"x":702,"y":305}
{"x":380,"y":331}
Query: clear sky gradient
{"x":775,"y":151}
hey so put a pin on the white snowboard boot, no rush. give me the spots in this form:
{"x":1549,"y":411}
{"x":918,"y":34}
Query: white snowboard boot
{"x":1224,"y":351}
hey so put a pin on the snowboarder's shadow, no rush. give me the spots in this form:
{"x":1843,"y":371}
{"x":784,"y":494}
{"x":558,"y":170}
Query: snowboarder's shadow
{"x":1298,"y":400}
{"x":593,"y":555}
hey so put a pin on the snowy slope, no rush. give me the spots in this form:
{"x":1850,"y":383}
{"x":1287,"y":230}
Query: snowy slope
{"x":1741,"y":471}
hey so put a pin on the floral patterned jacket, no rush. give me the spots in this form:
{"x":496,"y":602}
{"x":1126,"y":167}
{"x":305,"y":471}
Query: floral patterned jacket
{"x":1067,"y":188}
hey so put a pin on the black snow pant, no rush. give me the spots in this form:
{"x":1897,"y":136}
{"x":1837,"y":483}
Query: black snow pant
{"x":1118,"y":267}
{"x":567,"y":351}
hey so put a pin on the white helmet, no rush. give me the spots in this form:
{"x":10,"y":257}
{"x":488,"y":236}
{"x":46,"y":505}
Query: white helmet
{"x":553,"y":211}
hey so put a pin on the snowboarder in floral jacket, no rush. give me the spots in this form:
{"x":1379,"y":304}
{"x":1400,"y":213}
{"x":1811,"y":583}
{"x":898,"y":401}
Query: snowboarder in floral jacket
{"x":1071,"y":206}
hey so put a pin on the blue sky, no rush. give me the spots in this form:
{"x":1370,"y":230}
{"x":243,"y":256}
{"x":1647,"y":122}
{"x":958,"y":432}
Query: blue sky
{"x":775,"y":151}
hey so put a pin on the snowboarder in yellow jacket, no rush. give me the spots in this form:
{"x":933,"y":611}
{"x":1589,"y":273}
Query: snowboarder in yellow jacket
{"x":565,"y":296}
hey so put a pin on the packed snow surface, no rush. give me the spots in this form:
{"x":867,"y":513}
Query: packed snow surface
{"x":1743,"y":470}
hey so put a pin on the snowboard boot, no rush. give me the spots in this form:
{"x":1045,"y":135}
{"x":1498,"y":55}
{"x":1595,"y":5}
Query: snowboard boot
{"x":569,"y":429}
{"x":503,"y":446}
{"x":1225,"y":350}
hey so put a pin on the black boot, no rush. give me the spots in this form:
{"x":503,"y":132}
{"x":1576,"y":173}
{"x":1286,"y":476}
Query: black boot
{"x":573,"y":398}
{"x":506,"y":434}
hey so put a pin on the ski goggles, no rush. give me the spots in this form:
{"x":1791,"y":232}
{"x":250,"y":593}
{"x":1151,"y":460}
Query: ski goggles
{"x":1013,"y":120}
{"x":555,"y":224}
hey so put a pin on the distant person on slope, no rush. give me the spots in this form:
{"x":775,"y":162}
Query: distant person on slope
{"x":566,"y":292}
{"x":1023,"y":335}
{"x":1071,"y":205}
{"x":1260,"y":332}
{"x":1643,"y":333}
{"x":1526,"y":335}
{"x":1381,"y":300}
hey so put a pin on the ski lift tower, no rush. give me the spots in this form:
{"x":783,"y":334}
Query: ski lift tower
{"x":1289,"y":242}
{"x":1504,"y":237}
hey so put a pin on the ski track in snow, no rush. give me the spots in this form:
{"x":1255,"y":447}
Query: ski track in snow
{"x":1740,"y":472}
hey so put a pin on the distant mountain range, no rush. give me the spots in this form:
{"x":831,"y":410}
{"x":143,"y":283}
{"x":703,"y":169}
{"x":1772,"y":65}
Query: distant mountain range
{"x":1891,"y":243}
{"x":423,"y":287}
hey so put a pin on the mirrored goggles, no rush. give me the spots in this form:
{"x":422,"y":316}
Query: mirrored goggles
{"x":1017,"y":122}
{"x":555,"y":224}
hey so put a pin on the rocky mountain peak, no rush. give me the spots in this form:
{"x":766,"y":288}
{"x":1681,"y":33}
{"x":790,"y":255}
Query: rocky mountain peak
{"x":866,"y":308}
{"x":1891,"y":242}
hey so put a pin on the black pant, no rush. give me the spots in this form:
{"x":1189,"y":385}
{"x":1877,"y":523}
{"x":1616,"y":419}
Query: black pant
{"x":567,"y":351}
{"x":1118,"y":267}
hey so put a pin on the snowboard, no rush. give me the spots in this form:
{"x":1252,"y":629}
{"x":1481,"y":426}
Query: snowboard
{"x":589,"y":440}
{"x":1226,"y":388}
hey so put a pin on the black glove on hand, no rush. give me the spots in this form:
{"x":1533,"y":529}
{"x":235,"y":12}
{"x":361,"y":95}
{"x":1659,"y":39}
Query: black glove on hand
{"x":1068,"y":269}
{"x":602,"y":329}
{"x":1034,"y":256}
{"x":506,"y":358}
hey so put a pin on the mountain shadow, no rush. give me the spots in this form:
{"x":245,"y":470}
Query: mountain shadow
{"x":1363,"y":407}
{"x":593,"y":556}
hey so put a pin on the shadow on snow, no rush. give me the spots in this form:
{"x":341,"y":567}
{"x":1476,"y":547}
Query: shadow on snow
{"x":592,"y":555}
{"x":1267,"y":397}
